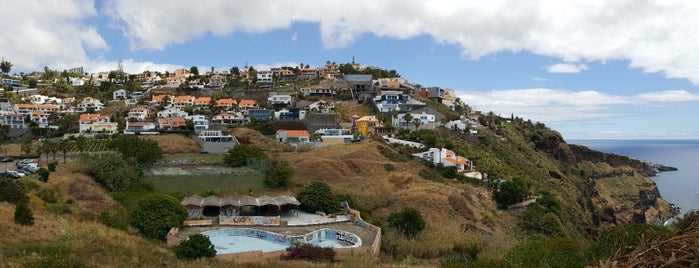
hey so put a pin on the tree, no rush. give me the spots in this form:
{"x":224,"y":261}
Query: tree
{"x":155,"y":214}
{"x":194,"y":70}
{"x":511,"y":192}
{"x":240,"y":154}
{"x":32,"y":82}
{"x":318,"y":196}
{"x":47,"y":147}
{"x":408,"y":118}
{"x":112,"y":172}
{"x":141,"y":151}
{"x":5,"y":66}
{"x":194,"y":247}
{"x":64,"y":146}
{"x":43,"y":174}
{"x":408,"y":221}
{"x":23,"y":215}
{"x":80,"y":143}
{"x":417,"y":122}
{"x":27,"y":147}
{"x":279,"y":174}
{"x":12,"y":191}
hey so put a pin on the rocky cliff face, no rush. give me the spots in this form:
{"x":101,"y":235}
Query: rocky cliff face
{"x":624,"y":194}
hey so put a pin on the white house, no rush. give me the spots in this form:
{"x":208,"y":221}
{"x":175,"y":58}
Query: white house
{"x":265,"y":76}
{"x":140,"y":127}
{"x":425,"y":120}
{"x":293,"y":137}
{"x":172,"y":112}
{"x":119,"y":94}
{"x":279,"y":99}
{"x":140,"y":113}
{"x":89,"y":104}
{"x":200,"y":122}
{"x":446,"y":158}
{"x":321,"y":106}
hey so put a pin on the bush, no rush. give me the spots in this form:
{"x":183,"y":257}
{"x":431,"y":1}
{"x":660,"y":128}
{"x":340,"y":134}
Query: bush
{"x":155,"y":214}
{"x":622,"y":239}
{"x":48,"y":196}
{"x":112,"y":172}
{"x":309,"y":252}
{"x":408,"y":221}
{"x":239,"y":155}
{"x":388,"y":167}
{"x":511,"y":192}
{"x":318,"y":196}
{"x":539,"y":251}
{"x":430,"y":174}
{"x":11,"y":191}
{"x":279,"y":174}
{"x":43,"y":174}
{"x":23,"y":215}
{"x":116,"y":219}
{"x":52,"y":166}
{"x":138,"y":150}
{"x":194,"y":247}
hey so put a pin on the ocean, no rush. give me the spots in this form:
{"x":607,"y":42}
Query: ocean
{"x":679,"y":187}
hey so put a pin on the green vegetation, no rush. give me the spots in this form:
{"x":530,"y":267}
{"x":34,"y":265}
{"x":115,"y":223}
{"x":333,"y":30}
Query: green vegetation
{"x":23,"y":215}
{"x":137,"y":150}
{"x":408,"y":221}
{"x":12,"y":191}
{"x":194,"y":247}
{"x":310,"y":252}
{"x":43,"y":174}
{"x":112,"y":172}
{"x":238,"y":181}
{"x":278,"y":174}
{"x":511,"y":192}
{"x":155,"y":214}
{"x":241,"y":154}
{"x":318,"y":196}
{"x":539,"y":251}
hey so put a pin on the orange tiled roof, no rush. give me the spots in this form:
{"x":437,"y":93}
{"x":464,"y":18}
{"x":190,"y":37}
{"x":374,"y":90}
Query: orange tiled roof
{"x":226,"y":102}
{"x":296,"y":133}
{"x":92,"y":117}
{"x":458,"y":161}
{"x":38,"y":113}
{"x":159,"y":98}
{"x":172,"y":120}
{"x":202,"y":100}
{"x":36,"y":106}
{"x":184,"y":98}
{"x":247,"y":103}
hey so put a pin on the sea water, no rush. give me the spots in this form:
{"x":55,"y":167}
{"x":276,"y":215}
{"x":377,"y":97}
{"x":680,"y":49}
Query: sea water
{"x":679,"y":187}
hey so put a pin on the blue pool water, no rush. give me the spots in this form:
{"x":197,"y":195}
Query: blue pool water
{"x":244,"y":240}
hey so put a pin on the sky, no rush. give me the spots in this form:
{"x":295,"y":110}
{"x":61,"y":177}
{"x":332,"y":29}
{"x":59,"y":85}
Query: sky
{"x":589,"y":69}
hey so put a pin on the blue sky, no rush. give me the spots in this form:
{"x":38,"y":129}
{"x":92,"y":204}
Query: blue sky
{"x":591,"y":70}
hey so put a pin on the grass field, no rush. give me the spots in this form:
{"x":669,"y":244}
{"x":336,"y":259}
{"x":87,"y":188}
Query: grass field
{"x":239,"y":183}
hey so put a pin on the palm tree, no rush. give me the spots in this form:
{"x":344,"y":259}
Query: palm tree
{"x":46,"y":148}
{"x":63,"y":146}
{"x":27,"y":147}
{"x":407,"y":117}
{"x":417,"y":122}
{"x":80,"y":143}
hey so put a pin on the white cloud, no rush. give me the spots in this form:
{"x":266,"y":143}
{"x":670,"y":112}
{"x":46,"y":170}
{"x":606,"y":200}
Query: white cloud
{"x":35,"y":33}
{"x":540,"y":79}
{"x":130,"y":66}
{"x":262,"y":66}
{"x":566,"y":68}
{"x":556,"y":105}
{"x":656,"y":36}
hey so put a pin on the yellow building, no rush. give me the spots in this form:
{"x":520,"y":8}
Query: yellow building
{"x":366,"y":125}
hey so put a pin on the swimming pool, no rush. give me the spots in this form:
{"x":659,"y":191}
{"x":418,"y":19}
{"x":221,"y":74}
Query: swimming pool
{"x":244,"y":240}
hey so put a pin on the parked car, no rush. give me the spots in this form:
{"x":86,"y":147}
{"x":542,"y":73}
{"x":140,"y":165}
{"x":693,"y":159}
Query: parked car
{"x":11,"y":175}
{"x":26,"y":162}
{"x":7,"y":159}
{"x":16,"y":174}
{"x":28,"y":170}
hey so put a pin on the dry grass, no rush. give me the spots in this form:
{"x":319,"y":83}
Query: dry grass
{"x":347,"y":109}
{"x":175,"y":144}
{"x":254,"y":138}
{"x":357,"y":169}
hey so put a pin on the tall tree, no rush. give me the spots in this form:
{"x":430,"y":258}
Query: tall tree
{"x":408,"y":118}
{"x":64,"y":146}
{"x":417,"y":122}
{"x":80,"y":143}
{"x":194,"y":70}
{"x":5,"y":66}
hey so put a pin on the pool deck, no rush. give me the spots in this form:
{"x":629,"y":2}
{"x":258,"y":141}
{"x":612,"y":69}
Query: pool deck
{"x":296,"y":225}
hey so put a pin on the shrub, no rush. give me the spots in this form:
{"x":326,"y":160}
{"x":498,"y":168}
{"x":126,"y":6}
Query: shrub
{"x":309,"y":252}
{"x":11,"y":191}
{"x":140,"y":151}
{"x":43,"y":174}
{"x":112,"y":172}
{"x":318,"y":196}
{"x":239,"y":155}
{"x":408,"y":221}
{"x":278,"y":174}
{"x":539,"y":251}
{"x":622,"y":239}
{"x":52,"y":166}
{"x":511,"y":192}
{"x":23,"y":215}
{"x":430,"y":174}
{"x":47,"y":195}
{"x":388,"y":167}
{"x":116,"y":219}
{"x":155,"y":214}
{"x":194,"y":247}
